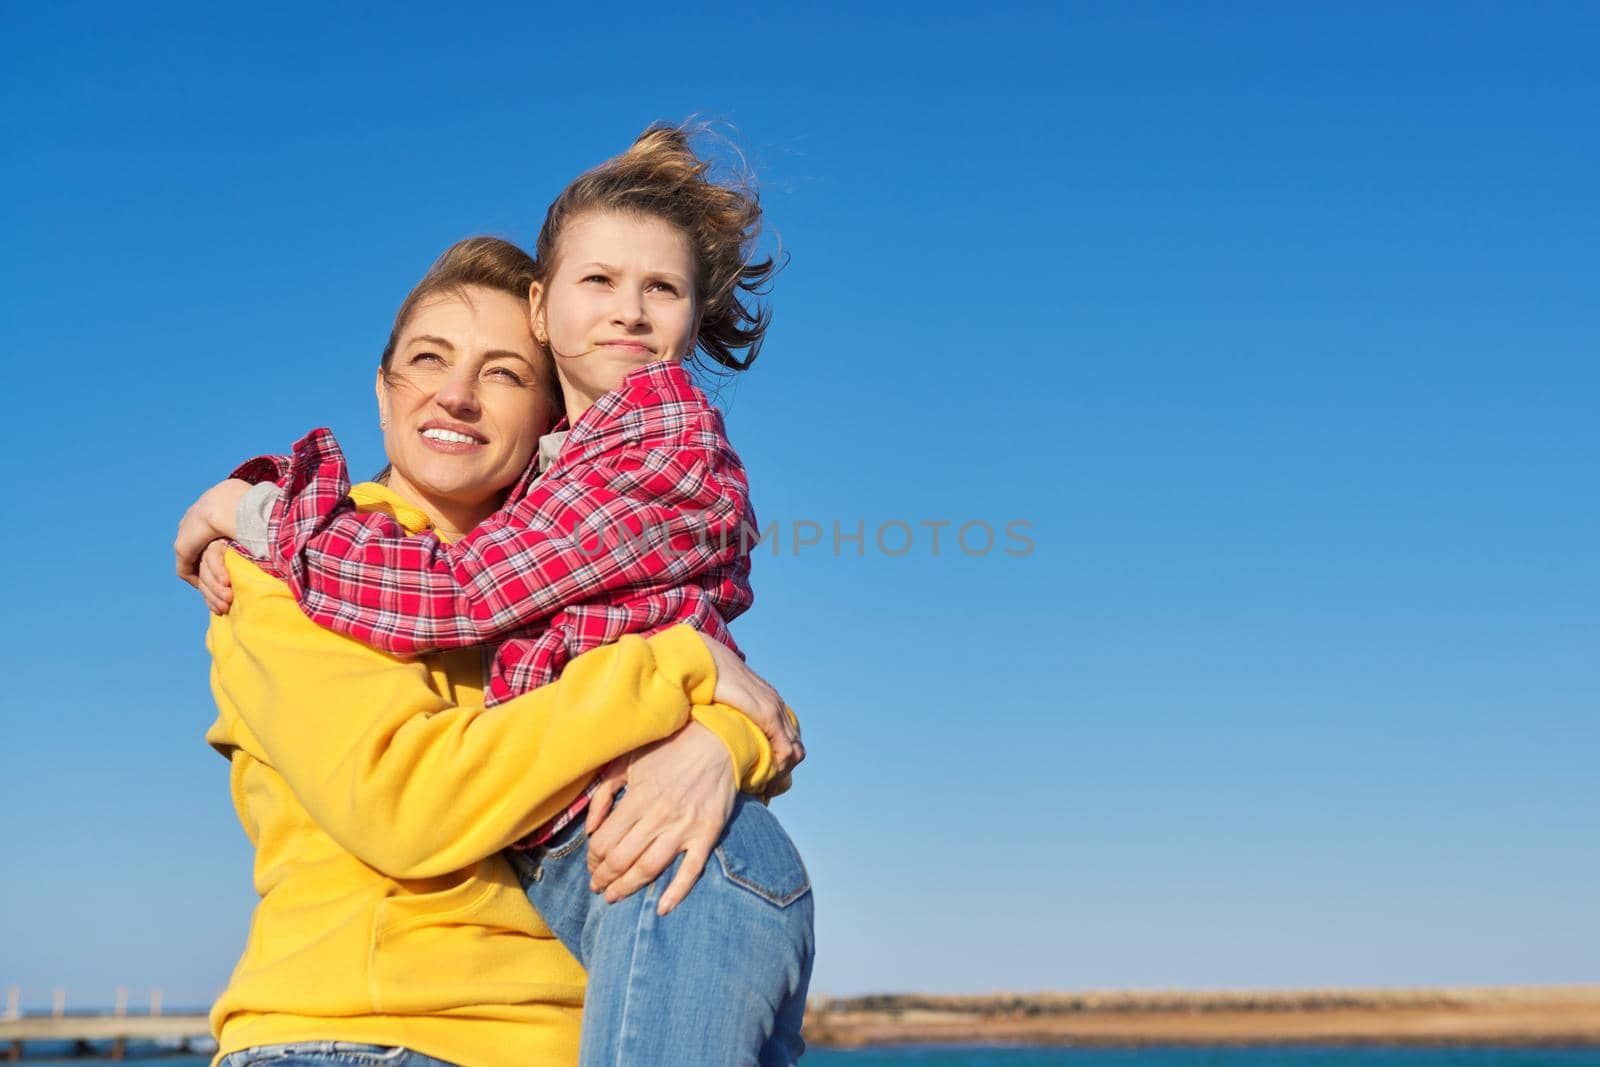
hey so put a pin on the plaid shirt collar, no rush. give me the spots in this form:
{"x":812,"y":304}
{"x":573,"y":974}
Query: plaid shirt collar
{"x":604,"y":418}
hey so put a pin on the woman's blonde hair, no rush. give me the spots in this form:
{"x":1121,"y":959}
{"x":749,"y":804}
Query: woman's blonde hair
{"x":663,"y":177}
{"x":488,"y":262}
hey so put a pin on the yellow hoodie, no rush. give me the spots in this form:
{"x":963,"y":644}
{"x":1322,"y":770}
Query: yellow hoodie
{"x":378,"y":793}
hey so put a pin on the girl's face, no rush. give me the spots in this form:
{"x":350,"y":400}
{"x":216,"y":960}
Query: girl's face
{"x":463,"y":404}
{"x":622,"y":295}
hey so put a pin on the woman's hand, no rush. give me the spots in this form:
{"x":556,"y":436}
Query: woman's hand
{"x":740,"y":687}
{"x":210,"y":517}
{"x":680,"y":794}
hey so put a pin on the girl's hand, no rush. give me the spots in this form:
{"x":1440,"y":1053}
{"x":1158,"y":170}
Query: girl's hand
{"x":680,"y":794}
{"x":207,"y":519}
{"x":740,"y":687}
{"x":215,"y":585}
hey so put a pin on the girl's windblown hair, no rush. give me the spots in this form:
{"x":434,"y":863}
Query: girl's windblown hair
{"x":663,"y":177}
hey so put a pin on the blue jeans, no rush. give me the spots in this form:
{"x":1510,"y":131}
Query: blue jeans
{"x":721,"y":980}
{"x":329,"y":1054}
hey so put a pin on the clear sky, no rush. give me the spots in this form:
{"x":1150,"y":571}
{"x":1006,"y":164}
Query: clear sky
{"x":1279,"y":328}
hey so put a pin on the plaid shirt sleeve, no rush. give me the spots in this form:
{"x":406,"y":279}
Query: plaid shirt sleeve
{"x":263,"y":468}
{"x":657,"y":508}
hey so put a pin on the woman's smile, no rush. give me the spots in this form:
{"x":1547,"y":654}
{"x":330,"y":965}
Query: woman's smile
{"x":454,"y":440}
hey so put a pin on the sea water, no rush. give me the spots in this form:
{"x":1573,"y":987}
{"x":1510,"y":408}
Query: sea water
{"x":1299,"y":1056}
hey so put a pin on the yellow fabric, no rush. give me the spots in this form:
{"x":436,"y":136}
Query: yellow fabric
{"x":373,"y":788}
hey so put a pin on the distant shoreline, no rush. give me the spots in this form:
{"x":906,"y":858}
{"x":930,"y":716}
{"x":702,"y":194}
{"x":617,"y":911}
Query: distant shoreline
{"x":1501,"y":1016}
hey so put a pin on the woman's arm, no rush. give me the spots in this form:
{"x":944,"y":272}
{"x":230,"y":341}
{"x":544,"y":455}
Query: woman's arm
{"x":416,"y":786}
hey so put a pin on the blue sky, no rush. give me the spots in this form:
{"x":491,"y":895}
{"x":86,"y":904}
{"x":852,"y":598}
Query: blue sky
{"x":1278,"y":328}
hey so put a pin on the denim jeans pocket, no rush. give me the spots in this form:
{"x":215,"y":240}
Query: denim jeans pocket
{"x":528,"y":863}
{"x":350,"y":1052}
{"x":756,"y":854}
{"x":328,"y":1053}
{"x":567,"y":840}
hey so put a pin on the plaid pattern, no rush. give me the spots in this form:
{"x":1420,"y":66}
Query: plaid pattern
{"x":641,"y":523}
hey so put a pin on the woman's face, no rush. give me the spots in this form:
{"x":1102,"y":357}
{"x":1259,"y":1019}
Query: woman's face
{"x":622,"y":295}
{"x":464,"y":403}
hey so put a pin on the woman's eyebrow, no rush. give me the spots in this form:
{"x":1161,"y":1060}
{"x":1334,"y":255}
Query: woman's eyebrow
{"x":429,"y":339}
{"x":506,"y":353}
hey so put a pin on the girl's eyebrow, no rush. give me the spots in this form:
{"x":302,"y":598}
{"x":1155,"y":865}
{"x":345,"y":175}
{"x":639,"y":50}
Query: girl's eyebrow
{"x":608,"y":268}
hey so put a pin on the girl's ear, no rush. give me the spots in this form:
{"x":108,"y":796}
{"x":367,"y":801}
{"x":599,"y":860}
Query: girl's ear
{"x":536,"y":321}
{"x":383,"y":401}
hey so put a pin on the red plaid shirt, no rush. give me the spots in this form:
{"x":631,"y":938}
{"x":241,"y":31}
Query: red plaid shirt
{"x":642,"y":522}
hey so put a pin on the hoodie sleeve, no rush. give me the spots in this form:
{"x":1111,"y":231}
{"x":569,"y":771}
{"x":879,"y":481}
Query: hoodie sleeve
{"x":408,"y":782}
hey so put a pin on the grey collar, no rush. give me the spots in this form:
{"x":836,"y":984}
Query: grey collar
{"x":549,"y":448}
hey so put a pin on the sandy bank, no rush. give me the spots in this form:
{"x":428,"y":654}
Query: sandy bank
{"x":1523,"y":1015}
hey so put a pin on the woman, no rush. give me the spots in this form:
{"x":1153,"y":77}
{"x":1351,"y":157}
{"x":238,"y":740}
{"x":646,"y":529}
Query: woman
{"x":348,"y":763}
{"x":640,"y":519}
